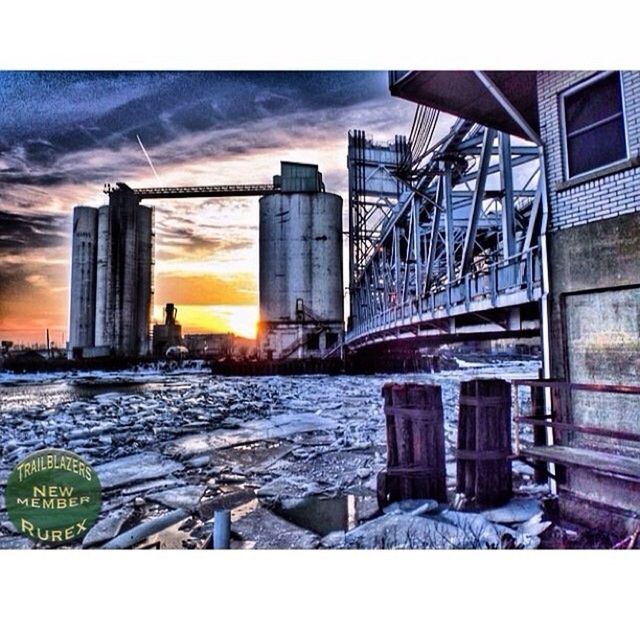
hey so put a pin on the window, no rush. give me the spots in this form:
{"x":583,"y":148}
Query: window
{"x":331,"y":339}
{"x":313,"y":342}
{"x":594,"y":124}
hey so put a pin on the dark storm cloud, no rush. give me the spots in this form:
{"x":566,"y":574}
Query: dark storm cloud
{"x":179,"y":236}
{"x":189,"y":242}
{"x":30,"y":272}
{"x":36,"y":231}
{"x":45,"y":116}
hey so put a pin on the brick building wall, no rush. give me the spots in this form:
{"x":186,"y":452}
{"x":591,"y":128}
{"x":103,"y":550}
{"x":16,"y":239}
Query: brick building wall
{"x":586,"y":199}
{"x":594,"y":300}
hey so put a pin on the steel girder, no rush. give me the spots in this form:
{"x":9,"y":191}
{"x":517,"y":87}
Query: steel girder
{"x":474,"y":208}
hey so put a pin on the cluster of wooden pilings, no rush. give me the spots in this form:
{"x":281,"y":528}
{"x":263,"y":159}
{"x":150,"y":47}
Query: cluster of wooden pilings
{"x":416,"y":445}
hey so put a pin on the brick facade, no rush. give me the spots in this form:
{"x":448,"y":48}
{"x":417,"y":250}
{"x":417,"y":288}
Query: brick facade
{"x":602,"y":197}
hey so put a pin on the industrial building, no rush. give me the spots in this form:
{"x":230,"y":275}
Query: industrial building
{"x":111,"y":280}
{"x":567,"y":244}
{"x":219,"y":346}
{"x":168,"y":334}
{"x":82,"y":322}
{"x":301,"y":289}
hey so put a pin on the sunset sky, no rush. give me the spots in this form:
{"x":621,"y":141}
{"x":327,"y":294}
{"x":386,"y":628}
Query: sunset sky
{"x":63,"y":135}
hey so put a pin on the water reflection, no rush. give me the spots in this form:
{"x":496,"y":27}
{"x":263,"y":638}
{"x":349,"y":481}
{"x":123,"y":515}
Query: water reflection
{"x":323,"y":515}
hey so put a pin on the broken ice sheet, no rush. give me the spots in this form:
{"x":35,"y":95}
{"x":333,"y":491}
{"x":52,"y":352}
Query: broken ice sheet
{"x":277,"y":427}
{"x":475,"y":529}
{"x":135,"y":468}
{"x":198,"y":461}
{"x":186,"y":498}
{"x":399,"y":531}
{"x":15,"y":542}
{"x":516,"y":510}
{"x":155,"y":485}
{"x":414,"y":506}
{"x":107,"y":528}
{"x":293,"y":487}
{"x":482,"y":533}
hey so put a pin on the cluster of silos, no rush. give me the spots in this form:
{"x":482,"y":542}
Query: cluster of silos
{"x":111,"y":279}
{"x":300,"y":279}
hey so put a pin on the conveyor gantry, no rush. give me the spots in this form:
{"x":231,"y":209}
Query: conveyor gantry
{"x":211,"y":191}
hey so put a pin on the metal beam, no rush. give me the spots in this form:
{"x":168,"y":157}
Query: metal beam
{"x":533,"y":218}
{"x":396,"y":260}
{"x":433,"y":240}
{"x":506,"y":183}
{"x":211,"y":191}
{"x":515,"y":162}
{"x":508,"y":107}
{"x":416,"y":245}
{"x":478,"y":195}
{"x":449,"y":225}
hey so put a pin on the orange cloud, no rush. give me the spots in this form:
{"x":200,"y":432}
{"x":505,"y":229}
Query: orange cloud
{"x":204,"y":289}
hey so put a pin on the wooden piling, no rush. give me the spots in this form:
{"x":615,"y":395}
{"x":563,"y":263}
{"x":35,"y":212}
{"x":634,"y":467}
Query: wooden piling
{"x":415,"y":444}
{"x":484,"y":442}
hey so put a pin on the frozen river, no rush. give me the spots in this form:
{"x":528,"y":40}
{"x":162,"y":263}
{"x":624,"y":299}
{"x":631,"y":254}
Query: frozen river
{"x":186,"y":439}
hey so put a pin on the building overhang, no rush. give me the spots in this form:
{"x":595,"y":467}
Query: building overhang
{"x":503,"y":100}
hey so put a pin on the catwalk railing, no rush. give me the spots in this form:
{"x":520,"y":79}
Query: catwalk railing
{"x":572,"y":440}
{"x":502,"y":284}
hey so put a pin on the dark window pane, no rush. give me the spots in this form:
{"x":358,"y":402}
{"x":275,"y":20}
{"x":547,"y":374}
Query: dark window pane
{"x":595,"y":102}
{"x":597,"y":147}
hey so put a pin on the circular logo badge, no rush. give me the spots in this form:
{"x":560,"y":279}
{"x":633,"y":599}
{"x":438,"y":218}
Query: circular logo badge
{"x":53,"y":496}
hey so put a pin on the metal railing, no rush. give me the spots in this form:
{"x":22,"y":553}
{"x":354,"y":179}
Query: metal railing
{"x":560,"y":418}
{"x":521,"y":272}
{"x":561,"y":438}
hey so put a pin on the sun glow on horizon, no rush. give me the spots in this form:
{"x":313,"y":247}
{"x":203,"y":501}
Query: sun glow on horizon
{"x":239,"y":319}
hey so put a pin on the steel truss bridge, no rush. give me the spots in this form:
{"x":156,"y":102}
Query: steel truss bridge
{"x":443,"y":237}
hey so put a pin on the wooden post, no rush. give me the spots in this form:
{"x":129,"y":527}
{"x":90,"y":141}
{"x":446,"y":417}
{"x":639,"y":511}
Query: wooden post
{"x":415,"y":444}
{"x":484,"y":442}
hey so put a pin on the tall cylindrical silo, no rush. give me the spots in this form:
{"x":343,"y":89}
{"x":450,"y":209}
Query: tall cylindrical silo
{"x":83,"y":279}
{"x":144,"y":280}
{"x":126,"y":321}
{"x":300,"y":280}
{"x":104,"y":279}
{"x":124,"y":276}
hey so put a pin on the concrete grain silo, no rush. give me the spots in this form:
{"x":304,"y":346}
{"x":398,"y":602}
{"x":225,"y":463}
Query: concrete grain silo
{"x":145,"y":236}
{"x":300,"y":281}
{"x":104,"y":301}
{"x":83,"y":280}
{"x":124,"y":277}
